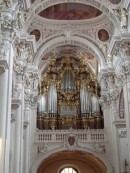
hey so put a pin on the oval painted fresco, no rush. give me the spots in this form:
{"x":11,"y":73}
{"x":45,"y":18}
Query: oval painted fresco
{"x":70,"y":11}
{"x":35,"y":32}
{"x":103,"y":35}
{"x":115,"y":1}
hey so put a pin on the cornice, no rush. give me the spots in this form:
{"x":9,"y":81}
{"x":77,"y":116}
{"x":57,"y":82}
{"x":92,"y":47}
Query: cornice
{"x":116,"y":40}
{"x":71,"y":25}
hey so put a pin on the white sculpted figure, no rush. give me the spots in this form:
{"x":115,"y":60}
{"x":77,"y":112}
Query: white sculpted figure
{"x":21,"y":19}
{"x":124,"y":19}
{"x":104,"y":48}
{"x":29,"y":58}
{"x":20,"y":48}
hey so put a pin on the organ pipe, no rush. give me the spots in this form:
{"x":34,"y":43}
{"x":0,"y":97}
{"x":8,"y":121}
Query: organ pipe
{"x":52,"y":98}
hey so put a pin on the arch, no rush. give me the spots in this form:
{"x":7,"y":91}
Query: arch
{"x":101,"y":158}
{"x":106,"y":9}
{"x":76,"y":40}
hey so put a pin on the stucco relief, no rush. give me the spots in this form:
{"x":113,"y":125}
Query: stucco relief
{"x":26,"y":117}
{"x":99,"y":148}
{"x":16,"y":92}
{"x":122,"y":133}
{"x":13,"y":116}
{"x":72,"y":141}
{"x":43,"y":148}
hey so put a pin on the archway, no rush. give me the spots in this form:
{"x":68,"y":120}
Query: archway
{"x":77,"y":159}
{"x":82,"y":160}
{"x":76,"y":40}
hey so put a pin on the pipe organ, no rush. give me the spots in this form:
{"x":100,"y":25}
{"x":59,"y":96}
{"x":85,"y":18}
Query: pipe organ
{"x":69,"y":96}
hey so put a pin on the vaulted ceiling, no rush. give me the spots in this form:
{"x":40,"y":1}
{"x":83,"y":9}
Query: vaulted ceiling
{"x":58,"y":27}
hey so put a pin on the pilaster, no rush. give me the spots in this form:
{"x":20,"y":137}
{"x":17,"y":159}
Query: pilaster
{"x":109,"y":102}
{"x":126,"y":89}
{"x":6,"y":66}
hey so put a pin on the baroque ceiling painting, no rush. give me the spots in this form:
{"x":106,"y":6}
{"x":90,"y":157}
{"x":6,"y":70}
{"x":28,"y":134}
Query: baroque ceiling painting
{"x":70,"y":11}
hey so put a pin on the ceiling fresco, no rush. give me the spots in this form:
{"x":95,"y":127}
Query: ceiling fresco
{"x":70,"y":11}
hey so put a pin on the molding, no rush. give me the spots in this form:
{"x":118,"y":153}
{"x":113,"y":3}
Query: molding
{"x":120,"y":123}
{"x":25,"y":124}
{"x":15,"y":104}
{"x":73,"y":24}
{"x":3,"y":66}
{"x":126,"y":3}
{"x":116,"y":39}
{"x":122,"y":133}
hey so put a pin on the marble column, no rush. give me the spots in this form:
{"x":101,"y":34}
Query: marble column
{"x":33,"y":122}
{"x":14,"y":105}
{"x":19,"y":127}
{"x":108,"y":101}
{"x":5,"y":101}
{"x":27,"y":112}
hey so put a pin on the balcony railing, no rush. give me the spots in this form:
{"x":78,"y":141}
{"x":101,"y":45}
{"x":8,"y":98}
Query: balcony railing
{"x":89,"y":135}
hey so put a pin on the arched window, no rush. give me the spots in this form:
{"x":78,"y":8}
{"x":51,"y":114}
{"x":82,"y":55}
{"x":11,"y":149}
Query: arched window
{"x":68,"y":170}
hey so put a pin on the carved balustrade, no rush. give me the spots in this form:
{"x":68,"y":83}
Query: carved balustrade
{"x":89,"y":135}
